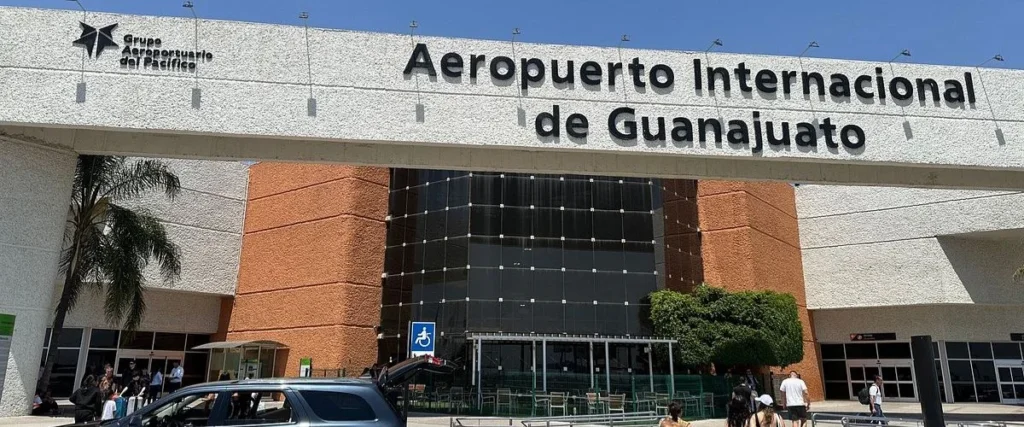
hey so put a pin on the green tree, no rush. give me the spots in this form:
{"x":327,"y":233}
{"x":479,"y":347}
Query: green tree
{"x":107,"y":245}
{"x":745,"y":328}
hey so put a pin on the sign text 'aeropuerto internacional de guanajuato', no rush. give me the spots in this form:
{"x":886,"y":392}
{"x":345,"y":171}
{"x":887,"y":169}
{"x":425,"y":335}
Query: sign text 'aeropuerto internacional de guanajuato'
{"x":622,"y":123}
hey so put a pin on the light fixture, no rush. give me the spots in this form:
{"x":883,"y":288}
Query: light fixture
{"x":904,"y":52}
{"x":997,"y":57}
{"x":191,"y":7}
{"x":809,"y":46}
{"x":717,"y":42}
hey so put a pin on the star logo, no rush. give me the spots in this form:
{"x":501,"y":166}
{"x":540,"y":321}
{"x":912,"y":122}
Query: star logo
{"x":96,"y":38}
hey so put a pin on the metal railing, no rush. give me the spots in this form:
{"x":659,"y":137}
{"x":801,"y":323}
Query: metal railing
{"x":986,"y":424}
{"x":846,"y":420}
{"x":627,"y":419}
{"x":632,"y":418}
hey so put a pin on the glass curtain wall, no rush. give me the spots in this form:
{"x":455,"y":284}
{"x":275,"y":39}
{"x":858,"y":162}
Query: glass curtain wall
{"x":520,"y":253}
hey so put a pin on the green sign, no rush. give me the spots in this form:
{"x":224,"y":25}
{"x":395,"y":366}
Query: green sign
{"x":6,"y":333}
{"x":306,"y":367}
{"x":6,"y":325}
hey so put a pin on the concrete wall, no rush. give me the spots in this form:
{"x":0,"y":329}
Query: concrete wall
{"x":35,"y":187}
{"x":166,"y":311}
{"x":312,"y":259}
{"x":254,"y":95}
{"x":205,"y":220}
{"x":867,"y":246}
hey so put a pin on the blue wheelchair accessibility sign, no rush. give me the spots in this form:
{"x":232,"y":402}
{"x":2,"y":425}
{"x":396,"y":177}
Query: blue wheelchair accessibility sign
{"x":422,"y":339}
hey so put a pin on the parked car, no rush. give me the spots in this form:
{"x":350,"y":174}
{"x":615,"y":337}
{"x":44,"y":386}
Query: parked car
{"x":300,"y":402}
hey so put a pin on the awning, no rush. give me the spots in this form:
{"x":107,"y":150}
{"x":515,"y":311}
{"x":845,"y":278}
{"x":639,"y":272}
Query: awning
{"x":613,"y":339}
{"x":237,"y":344}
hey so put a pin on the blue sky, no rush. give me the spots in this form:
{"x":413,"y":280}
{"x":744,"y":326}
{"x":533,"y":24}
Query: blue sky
{"x":964,"y":32}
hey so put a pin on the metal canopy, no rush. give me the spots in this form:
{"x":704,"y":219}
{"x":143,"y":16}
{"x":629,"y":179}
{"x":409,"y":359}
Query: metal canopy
{"x":236,"y":344}
{"x":614,"y":339}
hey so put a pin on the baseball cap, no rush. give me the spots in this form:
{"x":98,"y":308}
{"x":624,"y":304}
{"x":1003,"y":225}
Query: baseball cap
{"x":765,"y":400}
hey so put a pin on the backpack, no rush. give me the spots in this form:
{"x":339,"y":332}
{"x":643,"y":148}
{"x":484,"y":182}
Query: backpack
{"x":864,"y":396}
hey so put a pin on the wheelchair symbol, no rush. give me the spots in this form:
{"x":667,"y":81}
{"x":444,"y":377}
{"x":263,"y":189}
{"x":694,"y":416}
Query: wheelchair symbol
{"x":423,"y":338}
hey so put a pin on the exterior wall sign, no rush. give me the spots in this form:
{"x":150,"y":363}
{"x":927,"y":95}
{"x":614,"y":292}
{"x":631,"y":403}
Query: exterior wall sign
{"x":876,"y":336}
{"x":715,"y":80}
{"x":1016,"y":337}
{"x":141,"y":52}
{"x":422,"y":338}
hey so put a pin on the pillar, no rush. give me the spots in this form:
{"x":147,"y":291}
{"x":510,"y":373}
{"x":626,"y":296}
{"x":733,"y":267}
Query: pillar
{"x":311,"y":263}
{"x":35,"y":188}
{"x":750,"y":241}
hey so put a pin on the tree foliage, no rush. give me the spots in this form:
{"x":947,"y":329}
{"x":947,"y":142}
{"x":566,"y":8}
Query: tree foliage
{"x":107,"y":245}
{"x":714,"y":326}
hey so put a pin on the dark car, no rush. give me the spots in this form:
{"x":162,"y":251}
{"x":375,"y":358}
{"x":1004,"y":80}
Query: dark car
{"x":297,"y":402}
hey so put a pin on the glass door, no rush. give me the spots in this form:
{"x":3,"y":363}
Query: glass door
{"x":1011,"y":381}
{"x":897,"y":378}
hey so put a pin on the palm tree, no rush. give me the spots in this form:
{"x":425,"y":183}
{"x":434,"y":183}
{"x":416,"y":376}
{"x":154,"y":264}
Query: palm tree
{"x":107,"y":245}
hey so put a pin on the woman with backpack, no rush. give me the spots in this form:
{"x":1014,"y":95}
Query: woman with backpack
{"x":765,"y":415}
{"x":739,"y":406}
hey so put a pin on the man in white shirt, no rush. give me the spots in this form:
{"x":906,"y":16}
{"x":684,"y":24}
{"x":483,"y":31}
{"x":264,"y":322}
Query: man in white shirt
{"x":174,"y":380}
{"x":794,"y":393}
{"x":876,"y":397}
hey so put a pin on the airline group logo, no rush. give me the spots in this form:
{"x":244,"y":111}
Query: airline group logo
{"x":94,"y":40}
{"x":140,"y":52}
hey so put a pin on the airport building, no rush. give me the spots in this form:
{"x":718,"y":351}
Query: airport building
{"x":390,"y":187}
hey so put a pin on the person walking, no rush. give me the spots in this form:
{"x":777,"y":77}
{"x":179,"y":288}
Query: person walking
{"x":876,"y":398}
{"x":794,"y":392}
{"x":738,"y":410}
{"x":174,"y":379}
{"x":765,"y":415}
{"x":752,"y":381}
{"x":87,"y":400}
{"x":155,"y":384}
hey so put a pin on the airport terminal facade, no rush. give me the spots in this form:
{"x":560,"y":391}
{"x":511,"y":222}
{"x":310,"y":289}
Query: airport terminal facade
{"x":500,"y":201}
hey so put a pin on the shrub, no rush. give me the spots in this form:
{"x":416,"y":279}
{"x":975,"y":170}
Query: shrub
{"x":760,"y":328}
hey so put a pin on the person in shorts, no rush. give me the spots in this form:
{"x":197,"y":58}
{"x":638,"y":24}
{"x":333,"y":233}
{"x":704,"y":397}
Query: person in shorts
{"x":794,"y":393}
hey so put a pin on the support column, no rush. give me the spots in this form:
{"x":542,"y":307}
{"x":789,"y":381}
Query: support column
{"x":533,"y":366}
{"x":35,"y":189}
{"x":671,"y":372}
{"x":544,"y":365}
{"x":592,"y":385}
{"x":650,"y":365}
{"x":607,"y":369}
{"x":927,"y":381}
{"x":480,"y":373}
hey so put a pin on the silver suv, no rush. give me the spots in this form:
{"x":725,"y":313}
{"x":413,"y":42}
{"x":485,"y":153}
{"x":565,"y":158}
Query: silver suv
{"x":299,"y":402}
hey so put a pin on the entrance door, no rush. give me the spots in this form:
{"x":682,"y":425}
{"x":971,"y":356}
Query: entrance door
{"x":897,"y":378}
{"x":1011,"y":381}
